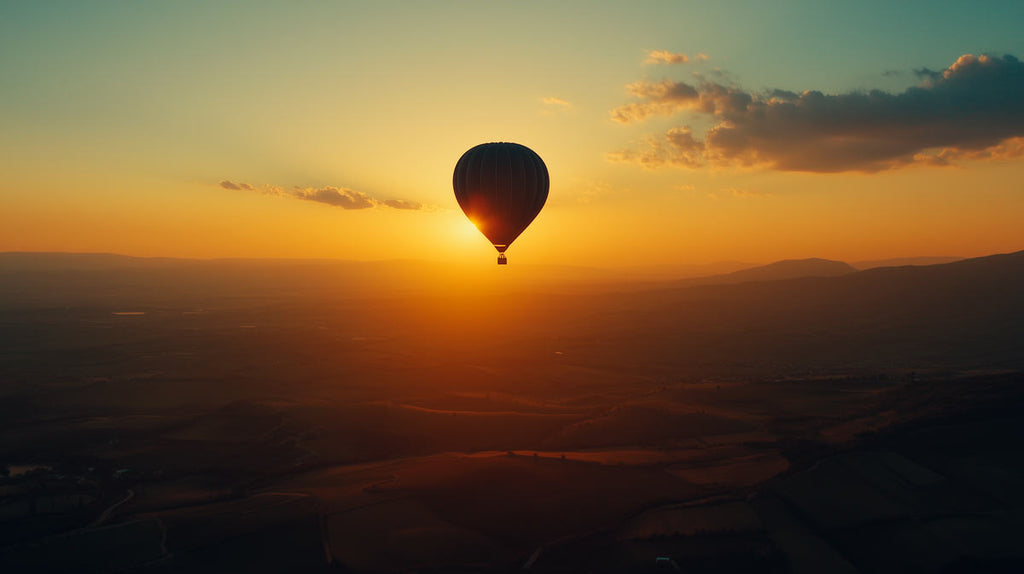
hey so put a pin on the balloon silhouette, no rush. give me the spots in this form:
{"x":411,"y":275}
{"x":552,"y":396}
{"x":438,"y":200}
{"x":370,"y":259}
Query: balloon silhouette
{"x":501,"y":187}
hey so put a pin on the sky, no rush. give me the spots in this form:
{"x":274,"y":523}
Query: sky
{"x":674,"y":132}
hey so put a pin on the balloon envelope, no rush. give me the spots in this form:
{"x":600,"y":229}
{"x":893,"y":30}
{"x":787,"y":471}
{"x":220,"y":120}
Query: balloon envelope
{"x":501,"y":187}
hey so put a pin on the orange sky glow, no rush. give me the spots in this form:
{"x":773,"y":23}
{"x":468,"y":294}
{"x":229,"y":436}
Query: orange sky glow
{"x":162,"y":133}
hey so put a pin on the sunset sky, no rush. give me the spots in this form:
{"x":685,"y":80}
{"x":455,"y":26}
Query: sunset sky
{"x":674,"y":132}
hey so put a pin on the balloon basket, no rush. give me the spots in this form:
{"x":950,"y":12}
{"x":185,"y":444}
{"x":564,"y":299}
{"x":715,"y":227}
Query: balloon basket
{"x":502,"y":260}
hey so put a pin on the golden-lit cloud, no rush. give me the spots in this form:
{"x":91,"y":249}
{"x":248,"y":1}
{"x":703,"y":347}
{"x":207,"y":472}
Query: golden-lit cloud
{"x":668,"y":98}
{"x":552,"y":101}
{"x":1007,"y":149}
{"x":330,"y":195}
{"x":663,"y":98}
{"x":678,"y":147}
{"x":972,"y":110}
{"x":553,"y":106}
{"x":402,"y":204}
{"x":336,"y":196}
{"x":667,"y":57}
{"x":744,"y":192}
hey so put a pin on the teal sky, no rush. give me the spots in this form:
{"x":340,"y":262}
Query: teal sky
{"x":143,"y":103}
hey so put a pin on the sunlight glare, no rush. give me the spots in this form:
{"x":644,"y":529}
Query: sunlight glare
{"x":467,"y":230}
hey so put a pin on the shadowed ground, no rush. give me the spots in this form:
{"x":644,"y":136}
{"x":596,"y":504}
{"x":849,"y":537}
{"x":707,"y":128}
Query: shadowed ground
{"x":267,"y":417}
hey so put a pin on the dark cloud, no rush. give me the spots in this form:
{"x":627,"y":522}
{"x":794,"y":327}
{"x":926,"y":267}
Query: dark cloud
{"x":330,"y":195}
{"x":927,"y":74}
{"x":232,"y":185}
{"x":973,"y":109}
{"x":783,"y":95}
{"x":662,"y":98}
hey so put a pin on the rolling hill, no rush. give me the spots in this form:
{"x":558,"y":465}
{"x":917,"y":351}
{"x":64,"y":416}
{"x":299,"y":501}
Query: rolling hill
{"x":777,"y":271}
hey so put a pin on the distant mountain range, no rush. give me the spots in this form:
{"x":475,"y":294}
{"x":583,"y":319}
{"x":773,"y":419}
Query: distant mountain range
{"x":903,"y":261}
{"x":784,"y":317}
{"x":725,"y":272}
{"x":786,"y":269}
{"x":968,"y":312}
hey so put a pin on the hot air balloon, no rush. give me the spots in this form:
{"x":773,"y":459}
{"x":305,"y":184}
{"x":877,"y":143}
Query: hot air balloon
{"x":501,"y":187}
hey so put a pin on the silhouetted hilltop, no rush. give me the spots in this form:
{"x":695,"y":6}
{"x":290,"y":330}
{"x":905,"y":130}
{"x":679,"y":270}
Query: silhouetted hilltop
{"x":780,"y":270}
{"x":903,"y":261}
{"x":962,"y":313}
{"x":673,"y":272}
{"x":49,"y":279}
{"x":15,"y":261}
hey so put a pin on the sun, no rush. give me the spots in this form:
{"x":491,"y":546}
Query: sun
{"x":467,"y":230}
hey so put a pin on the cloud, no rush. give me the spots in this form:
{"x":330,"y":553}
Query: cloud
{"x":724,"y":192}
{"x":663,"y":98}
{"x":402,"y":204}
{"x":1007,"y":149}
{"x":972,"y":110}
{"x":678,"y":147}
{"x":231,"y":185}
{"x":553,"y":106}
{"x":337,"y":196}
{"x":927,"y":74}
{"x":744,"y":193}
{"x":330,"y":195}
{"x":666,"y":57}
{"x":550,"y":101}
{"x":668,"y":98}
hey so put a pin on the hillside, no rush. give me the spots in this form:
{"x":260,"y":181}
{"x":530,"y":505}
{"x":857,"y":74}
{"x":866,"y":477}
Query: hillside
{"x":961,"y":313}
{"x":262,"y":415}
{"x":902,"y":261}
{"x":777,"y":271}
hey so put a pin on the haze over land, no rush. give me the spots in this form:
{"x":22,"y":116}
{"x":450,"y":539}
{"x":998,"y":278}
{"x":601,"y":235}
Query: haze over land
{"x":398,"y":415}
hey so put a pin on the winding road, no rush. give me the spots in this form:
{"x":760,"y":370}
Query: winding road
{"x":105,"y":515}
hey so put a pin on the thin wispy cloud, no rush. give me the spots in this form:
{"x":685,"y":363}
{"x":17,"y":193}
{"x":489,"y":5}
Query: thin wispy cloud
{"x":667,"y":57}
{"x":663,"y":98}
{"x":329,"y":195}
{"x":744,"y":192}
{"x":402,"y":204}
{"x":972,"y":110}
{"x":928,"y":74}
{"x":551,"y":101}
{"x":231,"y":185}
{"x":336,"y":196}
{"x":551,"y":105}
{"x":725,"y":192}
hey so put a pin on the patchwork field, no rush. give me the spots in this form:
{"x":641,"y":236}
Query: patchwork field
{"x":214,"y":427}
